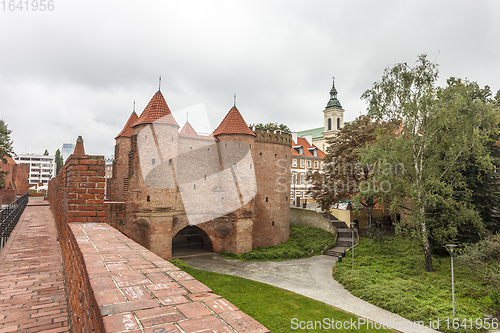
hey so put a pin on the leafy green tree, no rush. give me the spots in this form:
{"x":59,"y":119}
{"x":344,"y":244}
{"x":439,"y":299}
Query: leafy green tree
{"x":344,"y":177}
{"x":59,"y":161}
{"x":271,"y":127}
{"x":436,"y":129}
{"x":6,"y":149}
{"x":46,"y":153}
{"x":473,"y":178}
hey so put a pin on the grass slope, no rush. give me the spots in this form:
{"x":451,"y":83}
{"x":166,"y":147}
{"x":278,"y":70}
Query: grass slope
{"x":273,"y":307}
{"x":393,"y":277}
{"x":304,"y":242}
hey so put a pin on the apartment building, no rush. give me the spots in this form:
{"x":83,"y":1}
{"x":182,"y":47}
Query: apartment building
{"x":42,"y":167}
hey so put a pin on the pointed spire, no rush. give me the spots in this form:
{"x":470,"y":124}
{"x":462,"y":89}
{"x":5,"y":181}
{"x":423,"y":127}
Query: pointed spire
{"x":333,"y":102}
{"x":79,"y":149}
{"x":233,"y":123}
{"x":159,"y":84}
{"x":127,"y":129}
{"x":234,"y":103}
{"x":156,"y":111}
{"x":188,"y":129}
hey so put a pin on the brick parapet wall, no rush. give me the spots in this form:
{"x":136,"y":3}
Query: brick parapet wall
{"x":136,"y":290}
{"x":114,"y":284}
{"x":77,"y":195}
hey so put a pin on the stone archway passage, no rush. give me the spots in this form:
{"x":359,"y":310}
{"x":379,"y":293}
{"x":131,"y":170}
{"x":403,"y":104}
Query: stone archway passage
{"x":191,"y":240}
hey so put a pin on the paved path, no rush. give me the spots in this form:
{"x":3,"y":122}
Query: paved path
{"x":311,"y":277}
{"x":32,"y":295}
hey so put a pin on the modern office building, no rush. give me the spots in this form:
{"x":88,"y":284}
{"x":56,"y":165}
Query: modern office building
{"x":67,"y":149}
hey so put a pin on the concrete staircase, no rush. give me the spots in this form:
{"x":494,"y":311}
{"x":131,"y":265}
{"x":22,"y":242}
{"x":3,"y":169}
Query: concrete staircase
{"x":344,"y":238}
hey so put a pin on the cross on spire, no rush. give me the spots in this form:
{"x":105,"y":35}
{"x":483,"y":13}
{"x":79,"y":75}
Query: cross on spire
{"x":159,"y":83}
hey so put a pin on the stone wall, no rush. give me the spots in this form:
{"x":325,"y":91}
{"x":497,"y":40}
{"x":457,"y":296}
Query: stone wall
{"x":310,"y":218}
{"x":77,"y":195}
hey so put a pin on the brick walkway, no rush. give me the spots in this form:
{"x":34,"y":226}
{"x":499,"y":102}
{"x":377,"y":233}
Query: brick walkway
{"x":32,"y":295}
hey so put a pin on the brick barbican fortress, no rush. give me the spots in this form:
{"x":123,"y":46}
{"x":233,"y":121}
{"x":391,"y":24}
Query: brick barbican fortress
{"x":229,"y":190}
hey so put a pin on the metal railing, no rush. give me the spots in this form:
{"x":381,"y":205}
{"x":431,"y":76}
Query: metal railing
{"x":10,"y":216}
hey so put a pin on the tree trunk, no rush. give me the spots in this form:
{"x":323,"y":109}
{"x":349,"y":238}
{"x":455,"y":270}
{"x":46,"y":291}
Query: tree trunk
{"x":425,"y":240}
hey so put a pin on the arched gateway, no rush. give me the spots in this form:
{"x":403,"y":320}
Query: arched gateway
{"x":191,"y":240}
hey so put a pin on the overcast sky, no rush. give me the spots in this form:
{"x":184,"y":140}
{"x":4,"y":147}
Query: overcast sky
{"x":76,"y":70}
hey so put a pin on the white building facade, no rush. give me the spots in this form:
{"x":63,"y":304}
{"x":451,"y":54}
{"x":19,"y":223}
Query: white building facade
{"x":42,"y":167}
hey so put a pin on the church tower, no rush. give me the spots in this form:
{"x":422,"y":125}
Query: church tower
{"x":333,"y":116}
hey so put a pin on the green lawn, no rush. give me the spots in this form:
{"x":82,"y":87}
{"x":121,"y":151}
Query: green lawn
{"x":273,"y":307}
{"x":393,"y":277}
{"x":304,"y":242}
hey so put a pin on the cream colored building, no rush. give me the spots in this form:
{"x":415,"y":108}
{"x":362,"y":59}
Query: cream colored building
{"x":333,"y":116}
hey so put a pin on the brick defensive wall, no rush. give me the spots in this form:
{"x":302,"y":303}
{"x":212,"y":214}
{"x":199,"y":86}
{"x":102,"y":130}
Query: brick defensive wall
{"x":113,"y":284}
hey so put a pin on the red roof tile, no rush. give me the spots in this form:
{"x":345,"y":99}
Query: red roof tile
{"x":127,"y":129}
{"x":306,"y":152}
{"x":156,"y":111}
{"x":233,"y":123}
{"x":188,"y":129}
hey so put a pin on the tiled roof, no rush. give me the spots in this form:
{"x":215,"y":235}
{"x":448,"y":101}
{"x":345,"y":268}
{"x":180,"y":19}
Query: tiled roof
{"x":188,"y":129}
{"x":233,"y":123}
{"x":156,"y":111}
{"x":306,"y":152}
{"x":127,"y":129}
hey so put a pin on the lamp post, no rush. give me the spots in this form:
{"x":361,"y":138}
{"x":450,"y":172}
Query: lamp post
{"x":451,"y":247}
{"x":353,"y":225}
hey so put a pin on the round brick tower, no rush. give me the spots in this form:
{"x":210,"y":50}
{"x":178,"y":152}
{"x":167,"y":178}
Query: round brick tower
{"x":272,"y":156}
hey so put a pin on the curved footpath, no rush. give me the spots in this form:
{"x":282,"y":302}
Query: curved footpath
{"x":311,"y":277}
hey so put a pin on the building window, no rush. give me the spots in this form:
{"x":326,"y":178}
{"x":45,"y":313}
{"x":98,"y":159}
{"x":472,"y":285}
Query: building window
{"x":294,"y":162}
{"x":294,"y":178}
{"x":267,"y":199}
{"x":148,"y":198}
{"x":301,"y":163}
{"x":308,"y":164}
{"x":315,"y":164}
{"x":338,"y":123}
{"x":301,"y":179}
{"x":329,"y":124}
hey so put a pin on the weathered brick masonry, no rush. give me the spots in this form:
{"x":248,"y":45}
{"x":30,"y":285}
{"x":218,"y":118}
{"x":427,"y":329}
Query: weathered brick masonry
{"x":114,"y":284}
{"x":77,"y":195}
{"x":157,"y":167}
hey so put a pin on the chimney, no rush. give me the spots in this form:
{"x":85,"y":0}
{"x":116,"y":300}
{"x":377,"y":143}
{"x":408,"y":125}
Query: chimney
{"x":294,"y":137}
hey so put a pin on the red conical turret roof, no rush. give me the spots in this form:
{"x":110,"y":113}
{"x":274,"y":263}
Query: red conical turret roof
{"x":156,"y":111}
{"x":233,"y":123}
{"x":127,"y":129}
{"x":188,"y":129}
